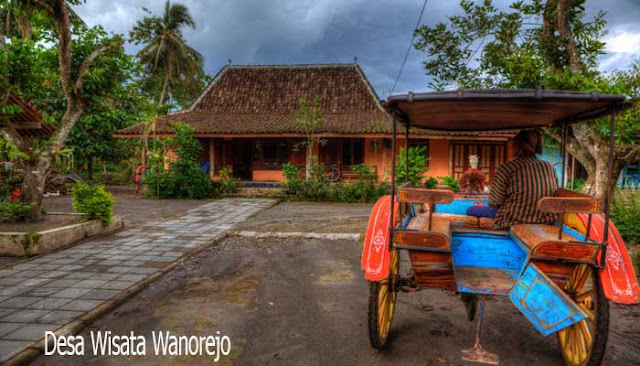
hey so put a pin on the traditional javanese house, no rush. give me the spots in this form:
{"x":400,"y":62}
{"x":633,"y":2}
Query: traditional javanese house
{"x":245,"y":120}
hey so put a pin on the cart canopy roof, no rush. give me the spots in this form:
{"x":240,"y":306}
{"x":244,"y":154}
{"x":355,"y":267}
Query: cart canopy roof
{"x":498,"y":109}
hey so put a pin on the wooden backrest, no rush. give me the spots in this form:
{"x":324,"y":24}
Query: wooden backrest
{"x":567,"y":201}
{"x":559,"y":205}
{"x":563,"y":192}
{"x":424,"y":195}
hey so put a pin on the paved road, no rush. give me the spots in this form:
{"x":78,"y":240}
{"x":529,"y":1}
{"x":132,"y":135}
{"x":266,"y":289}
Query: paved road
{"x":303,"y":302}
{"x":50,"y":291}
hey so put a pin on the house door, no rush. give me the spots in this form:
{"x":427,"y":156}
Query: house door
{"x":242,"y":153}
{"x":491,"y":156}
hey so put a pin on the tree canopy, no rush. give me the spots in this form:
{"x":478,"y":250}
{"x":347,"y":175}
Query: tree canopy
{"x":172,"y":66}
{"x":535,"y":43}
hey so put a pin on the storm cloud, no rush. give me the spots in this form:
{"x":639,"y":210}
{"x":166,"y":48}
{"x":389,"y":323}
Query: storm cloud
{"x":335,"y":31}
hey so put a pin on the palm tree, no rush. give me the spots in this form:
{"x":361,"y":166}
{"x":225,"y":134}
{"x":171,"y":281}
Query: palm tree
{"x":165,"y":52}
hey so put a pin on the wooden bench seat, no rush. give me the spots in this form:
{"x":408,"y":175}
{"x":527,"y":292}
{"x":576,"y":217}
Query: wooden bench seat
{"x":533,"y":234}
{"x":543,"y":243}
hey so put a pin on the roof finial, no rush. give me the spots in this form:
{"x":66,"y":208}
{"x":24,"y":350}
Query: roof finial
{"x":228,"y":61}
{"x":355,"y":59}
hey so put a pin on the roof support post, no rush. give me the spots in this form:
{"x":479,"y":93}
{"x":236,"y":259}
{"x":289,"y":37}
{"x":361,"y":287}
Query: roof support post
{"x":563,"y":150}
{"x":393,"y":176}
{"x":607,"y":197}
{"x":406,"y":151}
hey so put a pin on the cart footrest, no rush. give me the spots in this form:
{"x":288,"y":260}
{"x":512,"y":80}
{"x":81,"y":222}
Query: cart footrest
{"x":485,"y":280}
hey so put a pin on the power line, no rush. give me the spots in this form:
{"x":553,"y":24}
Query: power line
{"x":406,"y":55}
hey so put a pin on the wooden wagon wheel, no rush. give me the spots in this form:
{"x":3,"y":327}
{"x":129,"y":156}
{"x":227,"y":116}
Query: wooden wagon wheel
{"x":382,"y":303}
{"x":584,"y":343}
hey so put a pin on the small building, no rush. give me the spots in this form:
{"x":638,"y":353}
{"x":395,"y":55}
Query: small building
{"x":245,"y":120}
{"x":28,"y":122}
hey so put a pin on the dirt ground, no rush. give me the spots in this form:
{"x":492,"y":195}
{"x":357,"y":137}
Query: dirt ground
{"x":318,"y":217}
{"x":304,"y":302}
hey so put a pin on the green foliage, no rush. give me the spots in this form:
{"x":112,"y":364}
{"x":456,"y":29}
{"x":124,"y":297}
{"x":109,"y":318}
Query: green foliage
{"x":578,"y":183}
{"x":292,"y":182}
{"x":431,"y":183}
{"x":417,"y":165}
{"x":318,"y":188}
{"x":14,"y":211}
{"x":172,"y":67}
{"x":451,"y":183}
{"x":10,"y":152}
{"x":309,"y":119}
{"x":160,"y":184}
{"x":109,"y":91}
{"x":364,"y":189}
{"x":94,"y":201}
{"x":227,"y":181}
{"x":185,"y":177}
{"x":625,"y":211}
{"x":486,"y":47}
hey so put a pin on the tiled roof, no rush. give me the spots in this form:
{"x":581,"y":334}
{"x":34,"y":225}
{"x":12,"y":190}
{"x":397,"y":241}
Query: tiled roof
{"x":25,"y":120}
{"x":264,"y":100}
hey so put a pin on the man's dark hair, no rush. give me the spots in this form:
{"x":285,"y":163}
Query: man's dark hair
{"x":527,"y":143}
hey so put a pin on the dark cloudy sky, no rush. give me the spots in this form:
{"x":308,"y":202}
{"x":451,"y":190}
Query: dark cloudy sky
{"x":377,"y":32}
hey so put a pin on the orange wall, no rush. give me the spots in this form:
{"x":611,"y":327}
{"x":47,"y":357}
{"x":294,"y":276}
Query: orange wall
{"x":267,"y":176}
{"x":438,"y":158}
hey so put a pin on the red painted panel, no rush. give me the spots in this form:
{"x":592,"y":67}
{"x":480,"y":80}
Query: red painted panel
{"x":618,"y":279}
{"x":375,"y":251}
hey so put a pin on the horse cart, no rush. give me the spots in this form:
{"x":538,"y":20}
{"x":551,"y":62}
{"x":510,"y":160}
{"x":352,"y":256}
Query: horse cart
{"x":560,"y":277}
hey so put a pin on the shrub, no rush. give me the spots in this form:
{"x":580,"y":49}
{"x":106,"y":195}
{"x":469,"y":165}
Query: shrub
{"x":94,"y":201}
{"x":431,"y":183}
{"x":292,"y":181}
{"x":417,"y":165}
{"x":185,"y":177}
{"x":625,"y":212}
{"x":318,"y":187}
{"x":228,"y":182}
{"x":365,"y":189}
{"x":451,"y":183}
{"x":578,"y":183}
{"x":14,"y":211}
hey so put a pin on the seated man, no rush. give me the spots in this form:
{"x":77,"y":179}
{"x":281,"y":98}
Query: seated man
{"x":519,"y":184}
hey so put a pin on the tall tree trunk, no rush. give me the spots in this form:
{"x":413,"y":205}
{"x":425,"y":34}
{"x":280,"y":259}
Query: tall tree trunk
{"x":596,"y":184}
{"x":165,"y":84}
{"x":23,"y":20}
{"x":309,"y":160}
{"x":564,"y":30}
{"x":35,"y":176}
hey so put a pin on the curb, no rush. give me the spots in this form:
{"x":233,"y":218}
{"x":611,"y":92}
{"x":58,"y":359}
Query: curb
{"x":74,"y":327}
{"x":297,"y":234}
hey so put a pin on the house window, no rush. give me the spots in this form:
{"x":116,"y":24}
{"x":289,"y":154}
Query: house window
{"x":270,"y":154}
{"x":491,"y":155}
{"x":352,"y":152}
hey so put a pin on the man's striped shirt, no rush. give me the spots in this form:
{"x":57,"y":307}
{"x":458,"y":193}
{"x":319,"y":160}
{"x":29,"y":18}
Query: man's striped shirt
{"x":516,"y":189}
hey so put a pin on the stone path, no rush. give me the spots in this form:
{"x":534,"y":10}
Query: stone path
{"x":50,"y":291}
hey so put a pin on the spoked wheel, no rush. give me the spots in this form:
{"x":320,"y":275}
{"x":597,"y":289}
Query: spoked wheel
{"x":584,"y":343}
{"x":333,"y":173}
{"x":382,"y":303}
